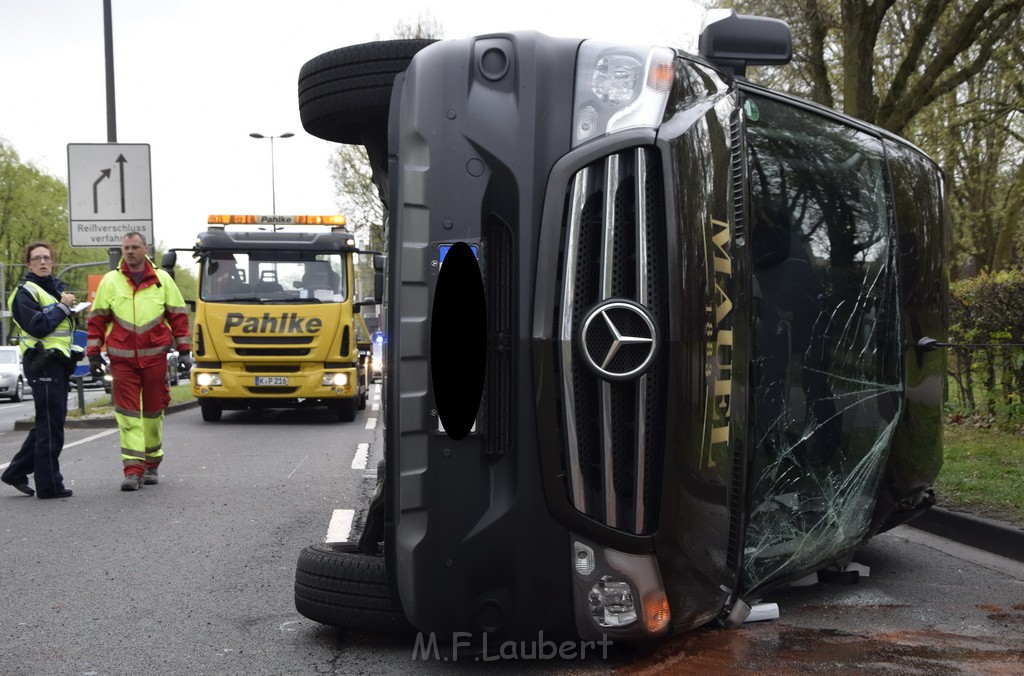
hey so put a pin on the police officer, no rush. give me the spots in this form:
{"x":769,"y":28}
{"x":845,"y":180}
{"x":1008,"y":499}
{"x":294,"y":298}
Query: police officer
{"x":138,"y":315}
{"x":42,"y":311}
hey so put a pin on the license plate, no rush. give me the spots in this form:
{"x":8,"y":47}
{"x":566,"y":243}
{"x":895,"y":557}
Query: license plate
{"x":271,"y":380}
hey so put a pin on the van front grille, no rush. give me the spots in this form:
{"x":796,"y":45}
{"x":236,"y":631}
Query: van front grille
{"x":613,"y":279}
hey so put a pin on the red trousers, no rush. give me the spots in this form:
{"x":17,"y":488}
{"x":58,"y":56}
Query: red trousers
{"x":140,"y":397}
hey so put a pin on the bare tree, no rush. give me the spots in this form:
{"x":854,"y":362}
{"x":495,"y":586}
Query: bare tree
{"x":944,"y":73}
{"x":356,"y":193}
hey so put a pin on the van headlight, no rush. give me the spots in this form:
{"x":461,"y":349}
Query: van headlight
{"x":617,"y":594}
{"x":619,"y":88}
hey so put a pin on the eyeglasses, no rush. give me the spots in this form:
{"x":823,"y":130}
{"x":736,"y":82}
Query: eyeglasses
{"x":40,"y":259}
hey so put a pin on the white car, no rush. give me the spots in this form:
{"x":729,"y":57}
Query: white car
{"x":13,"y":383}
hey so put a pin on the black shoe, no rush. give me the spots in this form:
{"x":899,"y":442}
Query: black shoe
{"x":66,"y":493}
{"x":24,"y":488}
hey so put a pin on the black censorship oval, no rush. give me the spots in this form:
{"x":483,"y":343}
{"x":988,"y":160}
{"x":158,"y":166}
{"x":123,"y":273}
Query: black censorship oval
{"x":458,"y":341}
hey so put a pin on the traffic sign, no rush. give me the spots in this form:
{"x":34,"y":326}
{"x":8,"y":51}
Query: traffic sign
{"x":109,"y":193}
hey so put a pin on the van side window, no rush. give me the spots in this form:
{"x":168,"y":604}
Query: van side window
{"x":827,"y":383}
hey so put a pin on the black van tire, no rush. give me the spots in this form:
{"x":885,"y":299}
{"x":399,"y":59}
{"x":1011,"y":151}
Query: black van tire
{"x":341,"y":586}
{"x":344,"y":94}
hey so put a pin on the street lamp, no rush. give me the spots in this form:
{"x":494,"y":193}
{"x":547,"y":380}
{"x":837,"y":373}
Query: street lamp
{"x":273,"y":188}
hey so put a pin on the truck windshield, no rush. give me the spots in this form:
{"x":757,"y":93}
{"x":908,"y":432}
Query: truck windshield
{"x":273,"y":276}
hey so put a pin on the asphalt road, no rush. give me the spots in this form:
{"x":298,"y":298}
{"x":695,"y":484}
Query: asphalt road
{"x":195,"y":575}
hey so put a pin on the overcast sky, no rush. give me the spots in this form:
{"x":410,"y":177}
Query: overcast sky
{"x":194,"y":77}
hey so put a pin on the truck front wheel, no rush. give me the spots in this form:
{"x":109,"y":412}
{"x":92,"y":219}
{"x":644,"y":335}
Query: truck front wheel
{"x":211,"y":410}
{"x":345,"y":409}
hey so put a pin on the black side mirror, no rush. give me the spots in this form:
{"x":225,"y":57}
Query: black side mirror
{"x":169,"y":260}
{"x":739,"y":40}
{"x":378,"y":279}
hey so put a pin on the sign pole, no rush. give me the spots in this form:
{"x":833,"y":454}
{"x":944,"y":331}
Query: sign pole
{"x":108,"y":45}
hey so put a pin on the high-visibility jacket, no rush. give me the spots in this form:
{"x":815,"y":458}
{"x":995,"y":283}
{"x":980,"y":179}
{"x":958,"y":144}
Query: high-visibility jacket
{"x":138,"y":322}
{"x":60,"y":338}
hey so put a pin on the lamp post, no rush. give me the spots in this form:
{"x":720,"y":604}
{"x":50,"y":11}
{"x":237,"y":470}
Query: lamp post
{"x":273,"y":187}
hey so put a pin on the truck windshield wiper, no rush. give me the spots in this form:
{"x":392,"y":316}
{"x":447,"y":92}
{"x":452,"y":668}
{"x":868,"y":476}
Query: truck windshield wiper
{"x":241,"y":299}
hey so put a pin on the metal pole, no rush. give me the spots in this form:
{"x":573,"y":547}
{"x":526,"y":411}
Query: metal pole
{"x":273,"y":182}
{"x":3,"y":304}
{"x":108,"y":44}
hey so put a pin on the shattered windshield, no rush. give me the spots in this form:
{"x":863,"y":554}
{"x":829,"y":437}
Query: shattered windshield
{"x":273,"y":277}
{"x":827,"y":377}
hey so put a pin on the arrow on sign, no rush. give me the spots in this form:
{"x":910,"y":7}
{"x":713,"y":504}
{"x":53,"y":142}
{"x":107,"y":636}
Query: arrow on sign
{"x":120,"y":161}
{"x":105,"y":173}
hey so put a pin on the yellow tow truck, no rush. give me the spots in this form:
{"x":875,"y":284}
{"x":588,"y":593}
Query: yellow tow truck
{"x":276,"y":320}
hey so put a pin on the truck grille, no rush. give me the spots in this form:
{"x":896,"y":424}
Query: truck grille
{"x":614,"y":251}
{"x":271,"y":368}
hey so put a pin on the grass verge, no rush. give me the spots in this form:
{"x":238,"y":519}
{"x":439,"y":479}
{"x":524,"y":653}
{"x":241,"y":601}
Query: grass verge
{"x":983,"y":474}
{"x":180,"y":394}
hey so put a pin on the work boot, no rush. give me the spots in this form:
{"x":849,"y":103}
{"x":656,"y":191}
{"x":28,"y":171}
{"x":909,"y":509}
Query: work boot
{"x":132,"y":482}
{"x":150,"y":477}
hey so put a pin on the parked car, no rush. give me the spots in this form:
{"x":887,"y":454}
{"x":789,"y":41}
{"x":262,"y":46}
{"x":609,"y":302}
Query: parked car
{"x":13,"y":383}
{"x":175,"y":372}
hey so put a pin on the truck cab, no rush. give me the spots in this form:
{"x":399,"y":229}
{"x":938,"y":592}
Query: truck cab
{"x":277,"y":324}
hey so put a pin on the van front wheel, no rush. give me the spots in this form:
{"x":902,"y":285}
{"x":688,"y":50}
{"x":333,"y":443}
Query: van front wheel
{"x":341,"y":586}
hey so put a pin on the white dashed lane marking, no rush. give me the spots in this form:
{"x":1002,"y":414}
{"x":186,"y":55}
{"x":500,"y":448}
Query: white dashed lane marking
{"x":359,"y":460}
{"x":341,"y":525}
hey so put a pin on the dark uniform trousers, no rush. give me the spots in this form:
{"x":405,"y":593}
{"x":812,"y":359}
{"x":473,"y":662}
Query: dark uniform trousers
{"x":42,"y":447}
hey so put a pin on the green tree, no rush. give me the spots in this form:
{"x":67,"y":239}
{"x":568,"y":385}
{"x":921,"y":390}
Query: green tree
{"x":943,"y":73}
{"x":33,"y":207}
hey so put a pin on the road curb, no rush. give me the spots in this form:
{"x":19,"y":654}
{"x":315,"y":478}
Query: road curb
{"x":995,"y":537}
{"x":99,"y":421}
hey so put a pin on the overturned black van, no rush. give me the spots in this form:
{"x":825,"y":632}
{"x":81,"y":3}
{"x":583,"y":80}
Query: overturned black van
{"x":657,"y":336}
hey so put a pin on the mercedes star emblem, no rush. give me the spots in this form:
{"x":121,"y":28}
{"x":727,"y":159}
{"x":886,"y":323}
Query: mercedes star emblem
{"x":618,"y":340}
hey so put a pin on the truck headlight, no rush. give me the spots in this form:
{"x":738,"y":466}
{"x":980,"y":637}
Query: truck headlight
{"x":208,"y":379}
{"x":334,"y":380}
{"x":619,"y":88}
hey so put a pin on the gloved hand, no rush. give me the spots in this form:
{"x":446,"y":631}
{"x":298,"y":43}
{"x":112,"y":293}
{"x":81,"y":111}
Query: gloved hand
{"x":184,"y":361}
{"x":96,"y":365}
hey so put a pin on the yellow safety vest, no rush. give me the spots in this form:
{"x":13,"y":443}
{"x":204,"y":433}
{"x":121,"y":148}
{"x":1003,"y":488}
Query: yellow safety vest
{"x":61,"y":337}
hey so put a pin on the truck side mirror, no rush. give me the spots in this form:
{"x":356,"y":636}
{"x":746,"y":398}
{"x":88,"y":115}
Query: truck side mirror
{"x":378,"y":279}
{"x":169,"y":260}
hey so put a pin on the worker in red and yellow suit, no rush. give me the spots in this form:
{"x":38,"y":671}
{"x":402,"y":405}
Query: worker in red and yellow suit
{"x":138,"y":315}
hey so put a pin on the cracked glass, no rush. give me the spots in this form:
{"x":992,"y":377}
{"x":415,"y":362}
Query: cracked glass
{"x":827,"y":353}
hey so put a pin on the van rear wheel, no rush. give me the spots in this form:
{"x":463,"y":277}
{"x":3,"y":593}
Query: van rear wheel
{"x":344,"y":94}
{"x":341,"y":586}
